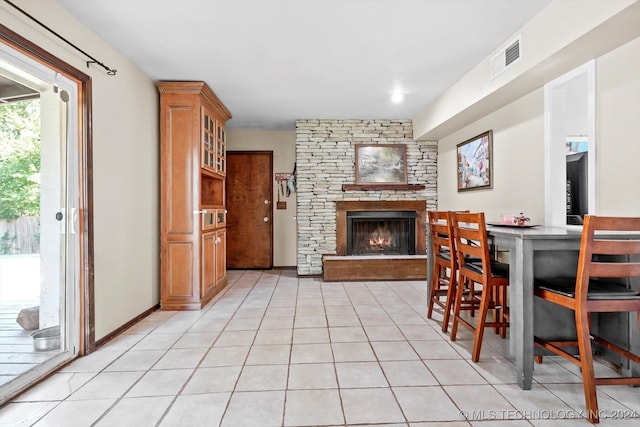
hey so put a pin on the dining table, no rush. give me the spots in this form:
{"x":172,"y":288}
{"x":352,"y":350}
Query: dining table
{"x":531,"y":251}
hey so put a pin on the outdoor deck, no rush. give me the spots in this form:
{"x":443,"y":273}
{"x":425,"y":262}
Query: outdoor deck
{"x":17,"y":354}
{"x":19,"y":288}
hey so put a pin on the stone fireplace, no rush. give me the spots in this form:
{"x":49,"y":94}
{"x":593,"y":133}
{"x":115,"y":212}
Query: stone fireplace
{"x":325,"y":178}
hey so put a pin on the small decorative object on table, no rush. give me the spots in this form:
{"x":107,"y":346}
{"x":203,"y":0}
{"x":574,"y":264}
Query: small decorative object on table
{"x":521,"y":219}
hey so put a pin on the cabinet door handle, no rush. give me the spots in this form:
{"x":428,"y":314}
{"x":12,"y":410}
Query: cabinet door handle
{"x":74,"y":220}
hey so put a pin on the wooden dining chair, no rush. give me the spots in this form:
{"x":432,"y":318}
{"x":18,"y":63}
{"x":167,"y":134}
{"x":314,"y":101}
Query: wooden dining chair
{"x":486,"y":279}
{"x":602,"y":284}
{"x":442,"y":289}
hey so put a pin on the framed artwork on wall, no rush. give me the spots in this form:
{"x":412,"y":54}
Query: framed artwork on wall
{"x":475,"y":162}
{"x":381,"y":163}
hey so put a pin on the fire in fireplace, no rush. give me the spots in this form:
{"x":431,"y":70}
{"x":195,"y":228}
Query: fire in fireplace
{"x":381,"y":232}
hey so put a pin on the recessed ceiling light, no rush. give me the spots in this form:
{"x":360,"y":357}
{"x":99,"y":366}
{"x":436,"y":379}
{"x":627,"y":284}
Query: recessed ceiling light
{"x":397,"y":97}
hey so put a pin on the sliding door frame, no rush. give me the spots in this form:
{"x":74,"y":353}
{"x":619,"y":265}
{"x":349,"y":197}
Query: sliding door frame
{"x":85,"y":178}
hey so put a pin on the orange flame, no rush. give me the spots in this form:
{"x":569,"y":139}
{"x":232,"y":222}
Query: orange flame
{"x":380,"y":239}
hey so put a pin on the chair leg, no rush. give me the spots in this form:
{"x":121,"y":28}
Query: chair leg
{"x":456,"y":306}
{"x":451,"y":295}
{"x":471,"y":291}
{"x":482,"y":319}
{"x":435,"y":287}
{"x":502,"y":300}
{"x":497,"y":315}
{"x":586,"y":366}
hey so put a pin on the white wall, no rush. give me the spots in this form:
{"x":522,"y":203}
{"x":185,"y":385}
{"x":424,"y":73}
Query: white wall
{"x":283,"y":145}
{"x":518,"y":148}
{"x":518,"y":153}
{"x":618,"y":130}
{"x":125,"y":164}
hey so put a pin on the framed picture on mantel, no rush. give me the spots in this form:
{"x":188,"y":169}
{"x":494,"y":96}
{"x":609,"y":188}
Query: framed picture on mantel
{"x":475,"y":163}
{"x":381,"y":164}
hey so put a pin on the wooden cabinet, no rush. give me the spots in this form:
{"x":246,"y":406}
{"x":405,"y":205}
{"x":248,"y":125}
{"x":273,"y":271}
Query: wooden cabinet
{"x":192,"y":201}
{"x":209,"y":279}
{"x":221,"y":256}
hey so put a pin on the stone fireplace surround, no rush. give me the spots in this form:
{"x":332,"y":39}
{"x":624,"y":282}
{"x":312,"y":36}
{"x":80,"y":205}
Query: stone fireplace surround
{"x":325,"y":159}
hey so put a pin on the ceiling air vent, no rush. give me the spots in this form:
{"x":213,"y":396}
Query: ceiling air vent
{"x":504,"y":58}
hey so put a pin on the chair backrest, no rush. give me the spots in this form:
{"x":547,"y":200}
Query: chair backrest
{"x":470,"y":239}
{"x":605,"y":257}
{"x":441,"y":230}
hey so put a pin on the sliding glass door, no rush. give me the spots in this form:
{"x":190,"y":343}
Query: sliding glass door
{"x":39,"y":239}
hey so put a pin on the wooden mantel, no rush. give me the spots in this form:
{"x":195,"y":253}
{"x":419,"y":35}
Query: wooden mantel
{"x":382,"y":187}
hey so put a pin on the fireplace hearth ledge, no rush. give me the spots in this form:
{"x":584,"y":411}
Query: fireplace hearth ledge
{"x":368,"y":257}
{"x":374,"y":267}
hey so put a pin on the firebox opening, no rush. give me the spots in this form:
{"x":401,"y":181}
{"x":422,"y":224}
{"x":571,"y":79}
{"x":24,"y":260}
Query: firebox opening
{"x":381,"y":232}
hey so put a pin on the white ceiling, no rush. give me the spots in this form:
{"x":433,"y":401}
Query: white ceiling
{"x":274,"y":61}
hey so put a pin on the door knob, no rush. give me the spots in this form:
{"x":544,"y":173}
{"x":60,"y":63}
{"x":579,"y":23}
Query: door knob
{"x":265,"y":219}
{"x":266,"y":202}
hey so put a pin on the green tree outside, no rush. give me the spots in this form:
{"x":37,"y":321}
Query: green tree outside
{"x":20,"y":159}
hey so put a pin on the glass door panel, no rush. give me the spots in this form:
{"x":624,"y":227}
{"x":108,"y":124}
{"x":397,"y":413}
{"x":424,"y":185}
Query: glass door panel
{"x":38,"y":240}
{"x":209,"y":141}
{"x":221,"y":153}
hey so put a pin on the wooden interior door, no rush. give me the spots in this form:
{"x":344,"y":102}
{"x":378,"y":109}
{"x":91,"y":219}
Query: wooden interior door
{"x":249,"y":209}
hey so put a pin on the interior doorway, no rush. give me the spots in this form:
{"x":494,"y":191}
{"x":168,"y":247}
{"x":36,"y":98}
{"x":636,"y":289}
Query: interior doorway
{"x":570,"y":146}
{"x":249,"y":209}
{"x":46,"y":251}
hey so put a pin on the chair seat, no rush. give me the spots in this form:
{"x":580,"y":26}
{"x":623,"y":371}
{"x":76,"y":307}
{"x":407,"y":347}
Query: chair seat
{"x":498,"y":269}
{"x":446,"y":255}
{"x":598,"y":289}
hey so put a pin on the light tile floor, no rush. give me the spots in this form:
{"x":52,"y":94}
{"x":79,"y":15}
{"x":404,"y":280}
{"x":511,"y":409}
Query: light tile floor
{"x":277,"y":350}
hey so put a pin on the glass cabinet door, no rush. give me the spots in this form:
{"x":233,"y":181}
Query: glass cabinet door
{"x":221,"y":219}
{"x":221,"y":142}
{"x":208,"y":219}
{"x":209,"y":143}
